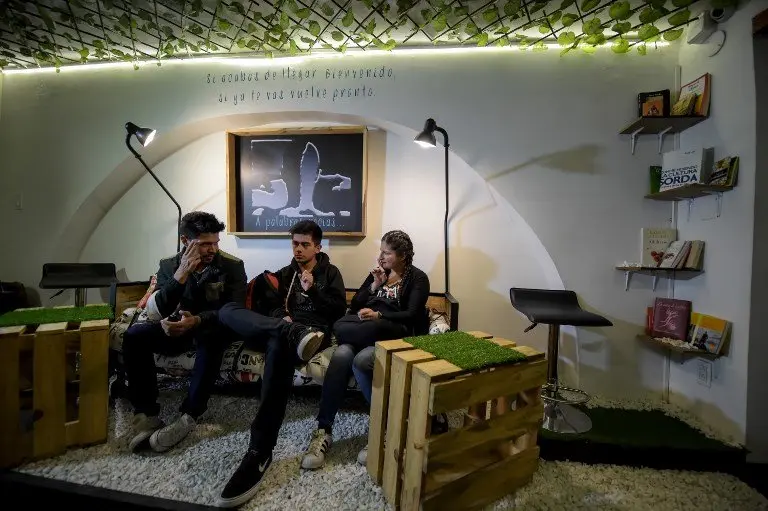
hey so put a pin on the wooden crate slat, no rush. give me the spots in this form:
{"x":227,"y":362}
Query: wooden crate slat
{"x":505,"y":343}
{"x":70,"y":338}
{"x":453,"y":444}
{"x":480,"y":488}
{"x":51,"y":328}
{"x":418,"y":421}
{"x":380,"y":404}
{"x":10,"y":452}
{"x":94,"y":389}
{"x":49,"y":391}
{"x":476,"y":388}
{"x":94,"y":324}
{"x":399,"y":399}
{"x":531,"y":353}
{"x":11,"y":331}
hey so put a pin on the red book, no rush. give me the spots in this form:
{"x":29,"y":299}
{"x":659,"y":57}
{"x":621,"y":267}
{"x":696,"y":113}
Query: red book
{"x":671,"y":317}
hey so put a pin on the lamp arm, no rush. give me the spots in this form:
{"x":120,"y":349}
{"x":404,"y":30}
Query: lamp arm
{"x":445,"y":221}
{"x":178,"y":207}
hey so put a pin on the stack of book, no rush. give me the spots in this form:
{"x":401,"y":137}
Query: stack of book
{"x":662,"y":249}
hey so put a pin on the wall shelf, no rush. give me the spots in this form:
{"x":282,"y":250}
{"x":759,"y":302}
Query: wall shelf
{"x":690,"y":352}
{"x":659,"y":126}
{"x":688,"y":192}
{"x":675,"y":273}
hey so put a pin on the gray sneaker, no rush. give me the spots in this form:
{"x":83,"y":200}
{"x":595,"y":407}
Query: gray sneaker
{"x":143,"y":427}
{"x":165,"y":438}
{"x":318,"y":446}
{"x":362,"y":456}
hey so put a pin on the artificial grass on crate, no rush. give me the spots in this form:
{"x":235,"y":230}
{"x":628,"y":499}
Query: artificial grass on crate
{"x":465,"y":351}
{"x":41,"y":316}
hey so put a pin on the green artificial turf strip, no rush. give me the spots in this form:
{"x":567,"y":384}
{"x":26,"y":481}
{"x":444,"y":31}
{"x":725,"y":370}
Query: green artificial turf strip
{"x":57,"y":315}
{"x":638,"y":429}
{"x":465,"y":351}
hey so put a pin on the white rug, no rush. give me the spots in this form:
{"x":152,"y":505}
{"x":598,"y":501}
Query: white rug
{"x":198,"y":468}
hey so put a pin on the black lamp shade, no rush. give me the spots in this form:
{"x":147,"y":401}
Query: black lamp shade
{"x":143,"y":135}
{"x":427,"y":137}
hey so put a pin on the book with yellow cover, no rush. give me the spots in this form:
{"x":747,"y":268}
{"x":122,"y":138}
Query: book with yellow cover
{"x":710,"y":333}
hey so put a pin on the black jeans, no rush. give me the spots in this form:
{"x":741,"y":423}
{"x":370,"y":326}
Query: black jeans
{"x":269,"y":335}
{"x":142,"y":341}
{"x":353,"y":337}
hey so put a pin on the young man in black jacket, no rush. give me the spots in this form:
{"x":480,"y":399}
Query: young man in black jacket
{"x":191,"y":287}
{"x":311,"y":297}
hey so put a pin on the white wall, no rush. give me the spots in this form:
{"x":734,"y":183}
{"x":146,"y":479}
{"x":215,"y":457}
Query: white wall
{"x":724,"y":288}
{"x":544,"y":191}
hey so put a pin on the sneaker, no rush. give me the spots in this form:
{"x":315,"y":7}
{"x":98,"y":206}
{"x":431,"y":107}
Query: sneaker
{"x":143,"y":427}
{"x":318,"y":446}
{"x":306,"y":339}
{"x":244,"y":483}
{"x":165,"y":438}
{"x":362,"y":456}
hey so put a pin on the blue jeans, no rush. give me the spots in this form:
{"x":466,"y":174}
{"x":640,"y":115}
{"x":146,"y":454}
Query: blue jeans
{"x":355,"y":353}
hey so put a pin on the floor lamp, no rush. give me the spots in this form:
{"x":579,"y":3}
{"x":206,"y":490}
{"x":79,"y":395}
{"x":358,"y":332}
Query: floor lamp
{"x":427,"y":139}
{"x":145,"y":137}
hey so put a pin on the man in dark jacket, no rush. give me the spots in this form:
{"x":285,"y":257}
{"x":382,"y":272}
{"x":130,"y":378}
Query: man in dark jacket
{"x":311,"y":297}
{"x":191,"y":287}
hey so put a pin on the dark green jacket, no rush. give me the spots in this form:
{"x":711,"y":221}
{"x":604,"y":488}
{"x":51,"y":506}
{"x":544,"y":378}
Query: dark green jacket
{"x":223,"y":282}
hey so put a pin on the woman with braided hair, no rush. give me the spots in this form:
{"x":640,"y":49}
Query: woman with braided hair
{"x":391,"y":304}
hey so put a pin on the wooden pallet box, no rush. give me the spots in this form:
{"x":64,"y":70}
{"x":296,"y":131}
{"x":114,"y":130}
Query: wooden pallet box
{"x":48,"y":374}
{"x":493,"y":454}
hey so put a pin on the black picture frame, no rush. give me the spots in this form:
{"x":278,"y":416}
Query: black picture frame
{"x":276,"y":178}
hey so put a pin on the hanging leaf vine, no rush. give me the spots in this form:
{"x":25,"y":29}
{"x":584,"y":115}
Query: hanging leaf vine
{"x":52,"y":33}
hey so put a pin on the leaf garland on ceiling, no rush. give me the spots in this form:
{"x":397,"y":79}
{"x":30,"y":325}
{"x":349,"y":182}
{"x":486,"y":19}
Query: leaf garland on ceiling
{"x":54,"y":33}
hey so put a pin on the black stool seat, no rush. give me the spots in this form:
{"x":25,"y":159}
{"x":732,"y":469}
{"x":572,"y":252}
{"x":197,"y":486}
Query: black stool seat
{"x":79,"y":276}
{"x":553,"y":307}
{"x":556,"y":307}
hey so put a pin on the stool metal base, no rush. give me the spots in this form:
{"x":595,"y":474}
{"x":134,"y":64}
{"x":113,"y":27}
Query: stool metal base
{"x":563,"y":418}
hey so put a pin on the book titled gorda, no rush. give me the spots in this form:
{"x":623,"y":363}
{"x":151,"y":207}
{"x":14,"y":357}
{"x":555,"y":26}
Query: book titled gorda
{"x":671,"y":317}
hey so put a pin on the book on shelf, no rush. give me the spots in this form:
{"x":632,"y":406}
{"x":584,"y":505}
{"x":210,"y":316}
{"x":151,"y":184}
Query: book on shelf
{"x":694,"y":97}
{"x":653,"y":104}
{"x":725,"y":172}
{"x":654,"y":241}
{"x":686,"y":167}
{"x":671,"y":317}
{"x":655,"y":176}
{"x":708,"y":333}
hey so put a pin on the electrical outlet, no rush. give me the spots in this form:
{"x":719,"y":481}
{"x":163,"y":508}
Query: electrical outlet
{"x":704,"y":373}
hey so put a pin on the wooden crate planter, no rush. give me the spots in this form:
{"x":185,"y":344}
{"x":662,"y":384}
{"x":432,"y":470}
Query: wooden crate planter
{"x":48,"y":347}
{"x":494,"y":453}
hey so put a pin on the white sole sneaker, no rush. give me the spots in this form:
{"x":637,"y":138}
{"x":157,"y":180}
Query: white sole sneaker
{"x":137,"y":441}
{"x":310,"y":345}
{"x":169,"y":436}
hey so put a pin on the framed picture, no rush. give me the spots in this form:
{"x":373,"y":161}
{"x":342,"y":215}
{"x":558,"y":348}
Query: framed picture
{"x":280,"y":177}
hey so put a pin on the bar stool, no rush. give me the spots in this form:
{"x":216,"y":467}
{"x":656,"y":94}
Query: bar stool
{"x":554,"y":308}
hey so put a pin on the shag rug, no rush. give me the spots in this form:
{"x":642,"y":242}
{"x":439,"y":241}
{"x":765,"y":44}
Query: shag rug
{"x":196,"y":470}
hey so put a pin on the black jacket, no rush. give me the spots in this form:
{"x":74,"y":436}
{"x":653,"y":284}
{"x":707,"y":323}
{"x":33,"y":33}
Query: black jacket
{"x":413,"y":302}
{"x":223,"y":282}
{"x":322,"y":304}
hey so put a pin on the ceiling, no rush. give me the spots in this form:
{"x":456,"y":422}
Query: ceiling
{"x":55,"y":33}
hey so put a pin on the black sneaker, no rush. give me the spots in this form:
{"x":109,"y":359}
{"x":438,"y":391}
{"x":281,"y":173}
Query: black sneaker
{"x":307,"y":340}
{"x":244,"y":483}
